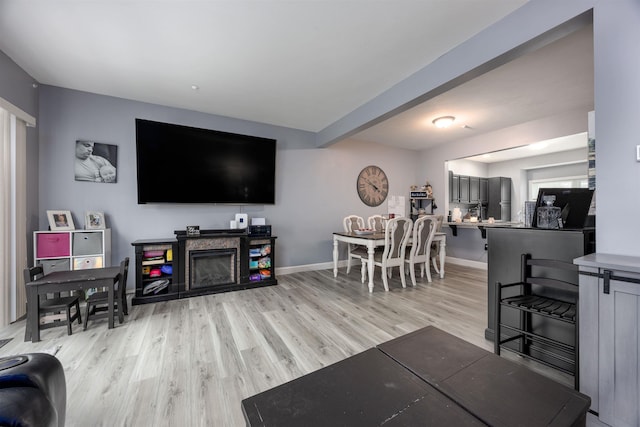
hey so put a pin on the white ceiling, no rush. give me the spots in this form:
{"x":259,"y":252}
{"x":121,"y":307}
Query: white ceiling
{"x":302,"y":63}
{"x":552,"y":80}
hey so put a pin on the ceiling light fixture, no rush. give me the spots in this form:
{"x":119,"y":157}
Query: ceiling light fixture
{"x":195,"y":87}
{"x":444,"y":121}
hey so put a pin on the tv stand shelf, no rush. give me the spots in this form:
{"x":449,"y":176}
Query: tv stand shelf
{"x":162,"y":271}
{"x":159,"y":285}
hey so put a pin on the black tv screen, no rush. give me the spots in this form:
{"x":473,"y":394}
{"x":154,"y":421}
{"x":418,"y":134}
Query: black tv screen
{"x":574,"y":204}
{"x":182,"y":164}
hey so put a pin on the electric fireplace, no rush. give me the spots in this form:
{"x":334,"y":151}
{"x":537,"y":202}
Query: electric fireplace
{"x":212,"y":267}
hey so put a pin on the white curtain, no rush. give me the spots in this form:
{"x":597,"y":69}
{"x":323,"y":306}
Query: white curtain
{"x":5,"y":217}
{"x":13,"y":215}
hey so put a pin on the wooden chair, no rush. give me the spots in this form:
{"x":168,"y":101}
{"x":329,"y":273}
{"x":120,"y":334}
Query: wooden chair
{"x":376,"y":223}
{"x":549,"y":293}
{"x":99,"y":301}
{"x":422,"y":237}
{"x":56,"y":306}
{"x":352,"y":223}
{"x":396,"y":237}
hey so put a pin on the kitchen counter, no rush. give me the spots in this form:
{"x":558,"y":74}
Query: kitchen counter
{"x":481,"y":226}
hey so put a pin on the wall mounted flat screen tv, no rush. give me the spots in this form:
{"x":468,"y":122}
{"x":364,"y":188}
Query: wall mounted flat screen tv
{"x":182,"y":164}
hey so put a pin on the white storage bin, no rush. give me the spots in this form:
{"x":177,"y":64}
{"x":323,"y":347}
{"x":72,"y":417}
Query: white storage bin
{"x":88,"y":262}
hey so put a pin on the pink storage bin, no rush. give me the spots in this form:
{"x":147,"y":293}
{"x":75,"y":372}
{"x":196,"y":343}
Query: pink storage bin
{"x":51,"y":245}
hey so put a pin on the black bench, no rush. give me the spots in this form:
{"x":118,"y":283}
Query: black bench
{"x":427,"y":377}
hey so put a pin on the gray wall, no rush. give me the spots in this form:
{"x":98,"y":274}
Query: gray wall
{"x":17,"y":87}
{"x":617,"y":95}
{"x":617,"y":102}
{"x":315,"y":188}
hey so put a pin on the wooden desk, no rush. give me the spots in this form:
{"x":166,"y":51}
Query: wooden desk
{"x":61,"y":281}
{"x":427,"y":377}
{"x":372,"y":241}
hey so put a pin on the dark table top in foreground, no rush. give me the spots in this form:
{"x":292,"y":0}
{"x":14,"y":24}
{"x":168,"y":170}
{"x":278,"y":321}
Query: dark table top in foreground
{"x":496,"y":390}
{"x":427,"y":377}
{"x":367,"y":389}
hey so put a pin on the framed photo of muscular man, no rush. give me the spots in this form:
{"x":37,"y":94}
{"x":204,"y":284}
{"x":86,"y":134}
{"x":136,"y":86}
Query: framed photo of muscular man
{"x":96,"y":162}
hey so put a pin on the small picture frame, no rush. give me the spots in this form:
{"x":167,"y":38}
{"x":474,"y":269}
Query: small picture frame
{"x":193,"y":230}
{"x":60,"y":220}
{"x":94,"y":221}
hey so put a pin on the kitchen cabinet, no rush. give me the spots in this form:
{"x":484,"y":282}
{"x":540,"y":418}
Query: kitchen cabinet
{"x":484,"y":190}
{"x":464,"y":189}
{"x":454,"y":187}
{"x":474,"y":189}
{"x":609,"y":308}
{"x":468,"y":189}
{"x":499,"y":199}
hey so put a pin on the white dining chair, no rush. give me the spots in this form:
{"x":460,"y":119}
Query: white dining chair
{"x":435,"y":246}
{"x":352,"y":223}
{"x":424,"y":229}
{"x":376,"y":223}
{"x":396,"y":237}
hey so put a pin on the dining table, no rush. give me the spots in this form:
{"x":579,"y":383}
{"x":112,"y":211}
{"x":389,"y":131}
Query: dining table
{"x":66,"y":281}
{"x":374,"y":240}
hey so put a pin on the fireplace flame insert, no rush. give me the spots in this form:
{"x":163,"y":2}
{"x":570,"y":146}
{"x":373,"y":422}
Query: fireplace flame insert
{"x":212,"y":267}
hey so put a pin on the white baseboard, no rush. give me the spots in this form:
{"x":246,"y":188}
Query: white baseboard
{"x":310,"y":267}
{"x":327,"y":265}
{"x":465,"y":263}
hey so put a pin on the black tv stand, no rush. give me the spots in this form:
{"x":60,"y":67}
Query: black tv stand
{"x":162,"y":270}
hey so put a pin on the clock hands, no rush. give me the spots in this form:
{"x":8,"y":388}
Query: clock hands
{"x":375,"y":187}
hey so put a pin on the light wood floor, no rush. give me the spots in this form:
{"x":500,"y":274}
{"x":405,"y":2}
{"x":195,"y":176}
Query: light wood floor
{"x":190,"y":362}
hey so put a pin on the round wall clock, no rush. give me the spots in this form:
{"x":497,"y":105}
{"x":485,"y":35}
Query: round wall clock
{"x":372,"y":186}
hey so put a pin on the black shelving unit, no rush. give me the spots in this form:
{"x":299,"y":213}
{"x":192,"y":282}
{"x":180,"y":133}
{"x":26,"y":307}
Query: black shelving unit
{"x":154,"y":271}
{"x":261,"y":260}
{"x":418,"y":203}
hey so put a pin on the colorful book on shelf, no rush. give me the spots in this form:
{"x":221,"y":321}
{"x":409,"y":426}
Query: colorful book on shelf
{"x":153,"y":261}
{"x":254,"y":252}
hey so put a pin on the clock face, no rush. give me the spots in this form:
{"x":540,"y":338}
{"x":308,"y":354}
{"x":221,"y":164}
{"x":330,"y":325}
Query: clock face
{"x":372,"y":186}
